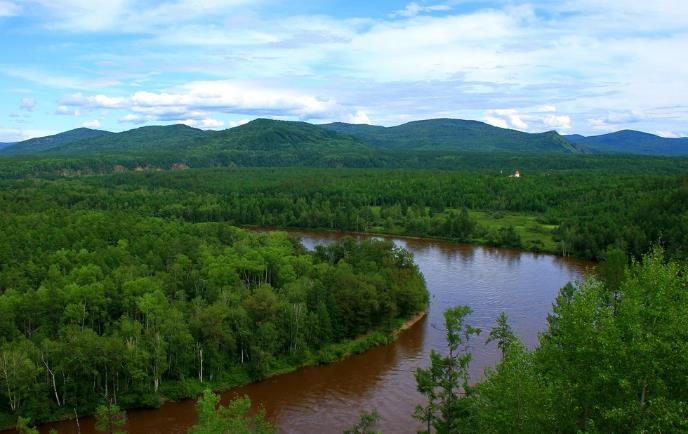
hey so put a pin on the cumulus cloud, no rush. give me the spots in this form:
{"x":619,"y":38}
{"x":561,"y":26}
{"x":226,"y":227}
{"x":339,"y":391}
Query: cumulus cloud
{"x":193,"y":101}
{"x":27,"y":103}
{"x":66,"y":111}
{"x":94,"y":124}
{"x":206,"y":124}
{"x":360,"y":117}
{"x":536,"y":119}
{"x":506,"y":118}
{"x":531,"y":57}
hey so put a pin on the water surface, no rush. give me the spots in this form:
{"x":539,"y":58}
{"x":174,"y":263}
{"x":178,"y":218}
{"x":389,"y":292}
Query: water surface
{"x":328,"y":399}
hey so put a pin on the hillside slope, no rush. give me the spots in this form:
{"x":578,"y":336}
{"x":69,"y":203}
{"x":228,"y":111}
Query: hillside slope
{"x":149,"y":139}
{"x":456,"y":135}
{"x":632,"y":142}
{"x":42,"y":144}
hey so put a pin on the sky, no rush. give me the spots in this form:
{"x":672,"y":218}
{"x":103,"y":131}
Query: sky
{"x":574,"y":66}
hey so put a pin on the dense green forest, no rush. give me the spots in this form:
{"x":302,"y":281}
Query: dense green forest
{"x":614,"y":359}
{"x":571,"y":212}
{"x":98,"y":305}
{"x":125,"y":280}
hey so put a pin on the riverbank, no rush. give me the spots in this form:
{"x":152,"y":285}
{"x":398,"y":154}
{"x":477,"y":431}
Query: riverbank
{"x":239,"y":376}
{"x":551,"y":249}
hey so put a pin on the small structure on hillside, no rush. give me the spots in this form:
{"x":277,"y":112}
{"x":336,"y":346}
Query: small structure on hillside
{"x":517,"y":174}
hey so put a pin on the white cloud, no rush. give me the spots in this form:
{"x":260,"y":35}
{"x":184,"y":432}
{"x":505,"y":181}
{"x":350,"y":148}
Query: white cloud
{"x":497,"y":122}
{"x":132,"y":118}
{"x":509,"y":117}
{"x":94,"y":124}
{"x":27,"y":103}
{"x":131,"y":15}
{"x":206,"y":124}
{"x":8,"y":9}
{"x":66,"y":111}
{"x":555,"y":122}
{"x":194,"y":100}
{"x":537,"y":119}
{"x":10,"y":135}
{"x":412,"y":9}
{"x":670,"y":134}
{"x":360,"y":117}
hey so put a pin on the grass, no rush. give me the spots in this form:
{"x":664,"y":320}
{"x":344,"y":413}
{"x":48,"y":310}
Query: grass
{"x":532,"y":232}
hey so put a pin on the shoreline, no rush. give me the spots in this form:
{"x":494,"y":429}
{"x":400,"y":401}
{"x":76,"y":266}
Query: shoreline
{"x":353,"y":349}
{"x":405,"y":237}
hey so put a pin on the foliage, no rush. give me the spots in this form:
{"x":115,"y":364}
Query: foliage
{"x":110,"y":418}
{"x":114,"y":304}
{"x":605,"y":364}
{"x":366,"y":423}
{"x":446,"y":379}
{"x":230,"y":419}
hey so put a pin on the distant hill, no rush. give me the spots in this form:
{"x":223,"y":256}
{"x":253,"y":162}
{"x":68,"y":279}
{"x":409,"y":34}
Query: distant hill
{"x":632,"y":142}
{"x":272,"y":135}
{"x":149,"y":139}
{"x":260,"y":135}
{"x":42,"y":144}
{"x":301,"y":142}
{"x":4,"y":145}
{"x":456,"y":135}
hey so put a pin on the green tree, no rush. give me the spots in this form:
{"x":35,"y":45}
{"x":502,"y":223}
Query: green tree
{"x":110,"y":418}
{"x":230,"y":419}
{"x":502,"y":334}
{"x":445,"y":382}
{"x":366,"y":423}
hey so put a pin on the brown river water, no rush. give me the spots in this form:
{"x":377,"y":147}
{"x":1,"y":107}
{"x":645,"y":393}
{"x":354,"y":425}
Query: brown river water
{"x":328,"y":399}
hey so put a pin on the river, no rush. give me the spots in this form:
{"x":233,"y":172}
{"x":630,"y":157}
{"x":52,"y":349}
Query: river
{"x":328,"y":399}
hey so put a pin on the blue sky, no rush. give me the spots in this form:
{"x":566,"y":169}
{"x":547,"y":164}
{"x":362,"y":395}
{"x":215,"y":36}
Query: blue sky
{"x":575,"y":66}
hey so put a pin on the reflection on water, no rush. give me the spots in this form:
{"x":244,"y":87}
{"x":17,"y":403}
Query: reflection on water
{"x":328,"y":399}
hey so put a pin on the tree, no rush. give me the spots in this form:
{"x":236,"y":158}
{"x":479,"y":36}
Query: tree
{"x":446,"y":380}
{"x":366,"y":423}
{"x":230,"y":419}
{"x":109,"y":418}
{"x":502,"y":334}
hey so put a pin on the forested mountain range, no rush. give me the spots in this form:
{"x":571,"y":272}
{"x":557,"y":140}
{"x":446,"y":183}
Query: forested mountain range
{"x":632,"y":142}
{"x":457,"y":135}
{"x":293,"y":140}
{"x":42,"y":144}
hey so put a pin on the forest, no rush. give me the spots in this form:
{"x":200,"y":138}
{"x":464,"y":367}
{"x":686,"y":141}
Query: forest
{"x":613,"y":359}
{"x":127,"y":285}
{"x":99,"y":306}
{"x":579,"y":213}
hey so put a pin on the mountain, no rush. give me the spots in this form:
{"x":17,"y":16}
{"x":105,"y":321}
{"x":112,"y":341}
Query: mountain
{"x":272,"y":135}
{"x":4,"y":145}
{"x":149,"y":139}
{"x":260,"y":135}
{"x":42,"y":144}
{"x":456,"y":135}
{"x":632,"y":142}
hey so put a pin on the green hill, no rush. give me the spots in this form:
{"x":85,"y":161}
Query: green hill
{"x":261,"y":136}
{"x":150,"y":139}
{"x":632,"y":142}
{"x":42,"y":144}
{"x":280,"y":136}
{"x":456,"y":135}
{"x":4,"y":145}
